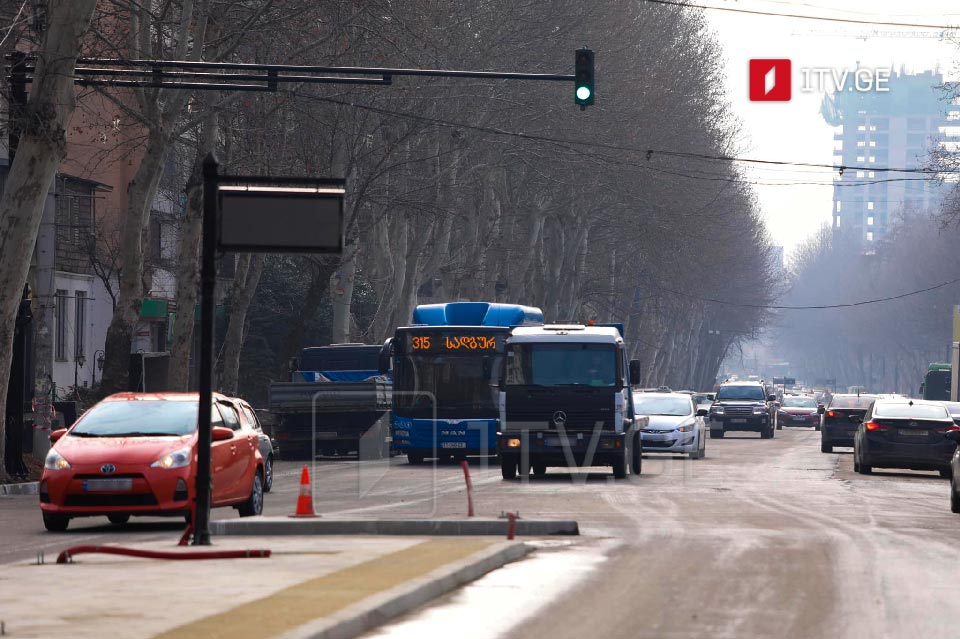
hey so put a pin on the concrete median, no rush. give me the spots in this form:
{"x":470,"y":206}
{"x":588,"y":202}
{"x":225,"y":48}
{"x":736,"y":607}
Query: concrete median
{"x":270,"y":526}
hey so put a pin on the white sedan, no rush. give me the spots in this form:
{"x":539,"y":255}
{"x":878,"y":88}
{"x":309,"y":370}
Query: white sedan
{"x":676,"y":425}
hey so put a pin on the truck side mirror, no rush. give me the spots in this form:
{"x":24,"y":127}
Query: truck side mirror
{"x":634,"y":372}
{"x":383,"y":359}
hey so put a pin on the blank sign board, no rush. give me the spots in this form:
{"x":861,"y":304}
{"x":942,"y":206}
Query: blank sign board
{"x":281,"y":220}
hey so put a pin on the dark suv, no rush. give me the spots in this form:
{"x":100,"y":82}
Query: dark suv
{"x":743,"y":406}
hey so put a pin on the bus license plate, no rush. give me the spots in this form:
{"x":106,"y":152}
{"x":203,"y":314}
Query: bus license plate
{"x":99,"y":485}
{"x":739,"y":421}
{"x":453,"y":444}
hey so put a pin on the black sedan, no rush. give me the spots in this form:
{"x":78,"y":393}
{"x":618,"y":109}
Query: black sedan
{"x":903,"y":433}
{"x":954,"y":436}
{"x":840,"y":419}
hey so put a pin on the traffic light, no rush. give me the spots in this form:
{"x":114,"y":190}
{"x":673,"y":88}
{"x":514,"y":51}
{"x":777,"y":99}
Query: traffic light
{"x":583,"y":78}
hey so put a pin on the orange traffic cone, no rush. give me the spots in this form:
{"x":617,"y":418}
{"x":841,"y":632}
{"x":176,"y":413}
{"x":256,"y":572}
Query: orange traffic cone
{"x":305,"y":500}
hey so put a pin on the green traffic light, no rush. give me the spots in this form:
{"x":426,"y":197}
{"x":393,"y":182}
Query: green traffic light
{"x":583,"y":93}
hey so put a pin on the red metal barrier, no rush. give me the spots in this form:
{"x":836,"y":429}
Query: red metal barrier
{"x":466,"y":476}
{"x":68,"y":554}
{"x":511,"y":524}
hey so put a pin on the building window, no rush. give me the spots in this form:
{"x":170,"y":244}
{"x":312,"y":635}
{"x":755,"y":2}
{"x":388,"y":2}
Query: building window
{"x":869,"y":206}
{"x":860,"y":173}
{"x":838,"y":206}
{"x":871,"y":174}
{"x":870,"y":219}
{"x":155,"y":235}
{"x":869,"y":236}
{"x":79,"y":324}
{"x":860,"y":158}
{"x":861,"y":143}
{"x":873,"y":159}
{"x":838,"y":221}
{"x":861,"y":128}
{"x":60,"y":344}
{"x":873,"y":143}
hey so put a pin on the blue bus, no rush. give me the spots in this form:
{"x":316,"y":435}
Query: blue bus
{"x":443,"y":367}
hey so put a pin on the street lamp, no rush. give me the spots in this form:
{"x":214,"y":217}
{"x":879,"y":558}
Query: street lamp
{"x":98,"y":358}
{"x":78,"y":362}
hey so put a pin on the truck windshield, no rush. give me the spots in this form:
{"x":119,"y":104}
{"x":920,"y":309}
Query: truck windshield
{"x":746,"y":393}
{"x":561,"y":365}
{"x":461,"y":385}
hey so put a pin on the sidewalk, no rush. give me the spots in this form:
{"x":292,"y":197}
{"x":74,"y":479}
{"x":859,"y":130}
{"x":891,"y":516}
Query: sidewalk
{"x":311,"y":587}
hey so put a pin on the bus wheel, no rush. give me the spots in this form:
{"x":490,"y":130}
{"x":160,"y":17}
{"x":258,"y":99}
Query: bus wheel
{"x":415,"y":458}
{"x":508,"y":468}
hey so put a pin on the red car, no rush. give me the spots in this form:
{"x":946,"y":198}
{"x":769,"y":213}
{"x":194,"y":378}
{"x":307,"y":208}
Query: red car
{"x":798,"y":410}
{"x":136,"y":454}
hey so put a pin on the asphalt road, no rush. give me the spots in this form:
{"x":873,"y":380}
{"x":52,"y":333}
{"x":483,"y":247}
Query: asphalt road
{"x":763,"y":538}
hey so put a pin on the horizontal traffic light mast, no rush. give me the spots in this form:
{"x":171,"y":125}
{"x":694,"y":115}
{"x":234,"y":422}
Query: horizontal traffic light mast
{"x":234,"y":76}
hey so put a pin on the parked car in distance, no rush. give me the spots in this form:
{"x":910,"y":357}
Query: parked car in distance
{"x":268,"y":449}
{"x":954,"y":409}
{"x":840,"y":418}
{"x":798,"y":410}
{"x":136,"y":454}
{"x":896,"y":433}
{"x":676,"y":424}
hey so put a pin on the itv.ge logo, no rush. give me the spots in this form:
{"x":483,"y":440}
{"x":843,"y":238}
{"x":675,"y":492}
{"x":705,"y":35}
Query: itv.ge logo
{"x":771,"y":79}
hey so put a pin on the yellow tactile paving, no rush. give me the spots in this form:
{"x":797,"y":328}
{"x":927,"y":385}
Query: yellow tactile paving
{"x":317,"y":598}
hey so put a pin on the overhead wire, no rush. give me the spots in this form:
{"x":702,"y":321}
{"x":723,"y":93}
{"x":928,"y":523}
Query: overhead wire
{"x":800,"y":16}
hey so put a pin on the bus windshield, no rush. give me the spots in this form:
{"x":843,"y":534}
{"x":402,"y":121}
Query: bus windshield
{"x":459,"y":385}
{"x":545,"y":364}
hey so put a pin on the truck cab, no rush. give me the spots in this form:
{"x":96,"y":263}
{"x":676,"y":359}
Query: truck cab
{"x":565,"y":400}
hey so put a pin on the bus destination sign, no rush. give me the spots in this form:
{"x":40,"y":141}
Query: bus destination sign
{"x":452,"y":343}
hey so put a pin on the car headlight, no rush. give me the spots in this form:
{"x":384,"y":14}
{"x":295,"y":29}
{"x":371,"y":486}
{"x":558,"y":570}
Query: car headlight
{"x":176,"y":459}
{"x":55,"y":461}
{"x":717,"y":410}
{"x":686,"y":428}
{"x":759,"y":410}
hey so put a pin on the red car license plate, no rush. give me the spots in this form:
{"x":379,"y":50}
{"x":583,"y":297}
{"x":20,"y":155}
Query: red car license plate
{"x":104,"y":485}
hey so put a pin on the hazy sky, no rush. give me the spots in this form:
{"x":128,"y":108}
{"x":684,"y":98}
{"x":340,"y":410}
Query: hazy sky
{"x":795,"y":130}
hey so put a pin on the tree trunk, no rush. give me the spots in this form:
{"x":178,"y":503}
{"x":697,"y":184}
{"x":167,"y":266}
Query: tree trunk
{"x":341,"y":294}
{"x":42,"y":147}
{"x":141,"y":192}
{"x":244,"y":286}
{"x":188,"y":265}
{"x":319,"y":284}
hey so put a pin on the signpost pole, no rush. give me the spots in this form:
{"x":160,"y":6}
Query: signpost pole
{"x":208,"y":281}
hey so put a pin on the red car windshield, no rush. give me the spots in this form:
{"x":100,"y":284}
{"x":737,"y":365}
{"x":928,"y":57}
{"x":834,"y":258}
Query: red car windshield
{"x":138,"y":419}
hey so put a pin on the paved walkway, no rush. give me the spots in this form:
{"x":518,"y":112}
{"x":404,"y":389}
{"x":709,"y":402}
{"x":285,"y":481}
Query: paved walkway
{"x":309,"y":587}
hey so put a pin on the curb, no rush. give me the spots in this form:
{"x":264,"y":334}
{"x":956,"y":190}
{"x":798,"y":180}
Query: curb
{"x":381,"y":608}
{"x":269,"y":526}
{"x":28,"y":488}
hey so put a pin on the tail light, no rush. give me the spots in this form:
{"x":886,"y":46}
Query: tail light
{"x":875,"y":426}
{"x":948,"y":429}
{"x":830,"y":413}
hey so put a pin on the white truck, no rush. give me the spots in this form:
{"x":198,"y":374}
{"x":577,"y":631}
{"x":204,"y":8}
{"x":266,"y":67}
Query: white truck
{"x":565,"y":400}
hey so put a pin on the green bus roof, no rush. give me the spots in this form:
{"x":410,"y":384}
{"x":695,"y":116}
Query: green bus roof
{"x":938,"y":367}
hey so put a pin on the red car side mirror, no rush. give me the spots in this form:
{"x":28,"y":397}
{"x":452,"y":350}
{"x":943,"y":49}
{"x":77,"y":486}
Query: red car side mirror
{"x":221,"y":433}
{"x":57,"y":434}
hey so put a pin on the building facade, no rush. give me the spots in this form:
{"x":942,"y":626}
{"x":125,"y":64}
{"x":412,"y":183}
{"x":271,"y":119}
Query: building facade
{"x":896,"y":128}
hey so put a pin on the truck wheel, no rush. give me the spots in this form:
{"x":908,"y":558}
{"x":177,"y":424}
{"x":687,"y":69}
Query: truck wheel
{"x":539,"y":470}
{"x":415,"y":459}
{"x":620,"y":467}
{"x":636,"y":457}
{"x":508,"y":468}
{"x":716,"y":433}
